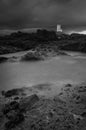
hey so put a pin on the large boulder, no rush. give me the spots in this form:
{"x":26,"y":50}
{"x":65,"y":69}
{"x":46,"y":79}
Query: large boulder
{"x":28,"y":102}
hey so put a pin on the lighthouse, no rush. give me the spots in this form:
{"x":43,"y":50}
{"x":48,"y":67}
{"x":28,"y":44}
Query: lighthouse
{"x":59,"y":29}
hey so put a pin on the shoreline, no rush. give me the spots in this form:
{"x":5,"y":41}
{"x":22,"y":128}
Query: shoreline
{"x":35,"y":55}
{"x":32,"y":55}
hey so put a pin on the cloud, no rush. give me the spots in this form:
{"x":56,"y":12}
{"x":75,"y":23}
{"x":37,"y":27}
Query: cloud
{"x":16,"y":14}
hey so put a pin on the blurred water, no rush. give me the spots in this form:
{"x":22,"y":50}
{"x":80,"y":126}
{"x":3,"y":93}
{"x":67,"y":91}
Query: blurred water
{"x":58,"y":69}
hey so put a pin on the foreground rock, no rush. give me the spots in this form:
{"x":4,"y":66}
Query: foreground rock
{"x":14,"y":111}
{"x":65,"y":111}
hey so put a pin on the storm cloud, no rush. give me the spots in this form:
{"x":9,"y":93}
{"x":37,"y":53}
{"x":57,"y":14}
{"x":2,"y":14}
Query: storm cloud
{"x":16,"y":14}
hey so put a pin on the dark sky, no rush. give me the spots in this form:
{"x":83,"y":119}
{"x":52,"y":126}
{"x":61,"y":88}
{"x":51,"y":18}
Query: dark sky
{"x":16,"y":14}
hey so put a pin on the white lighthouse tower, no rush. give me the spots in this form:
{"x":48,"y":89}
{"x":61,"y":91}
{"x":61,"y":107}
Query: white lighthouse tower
{"x":59,"y":29}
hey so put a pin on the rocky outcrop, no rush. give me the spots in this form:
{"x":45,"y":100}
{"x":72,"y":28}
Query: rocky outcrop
{"x":42,"y":53}
{"x":65,"y":111}
{"x":28,"y":102}
{"x":31,"y":56}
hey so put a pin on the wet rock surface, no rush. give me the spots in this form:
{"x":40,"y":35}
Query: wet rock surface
{"x":3,"y":59}
{"x":65,"y":111}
